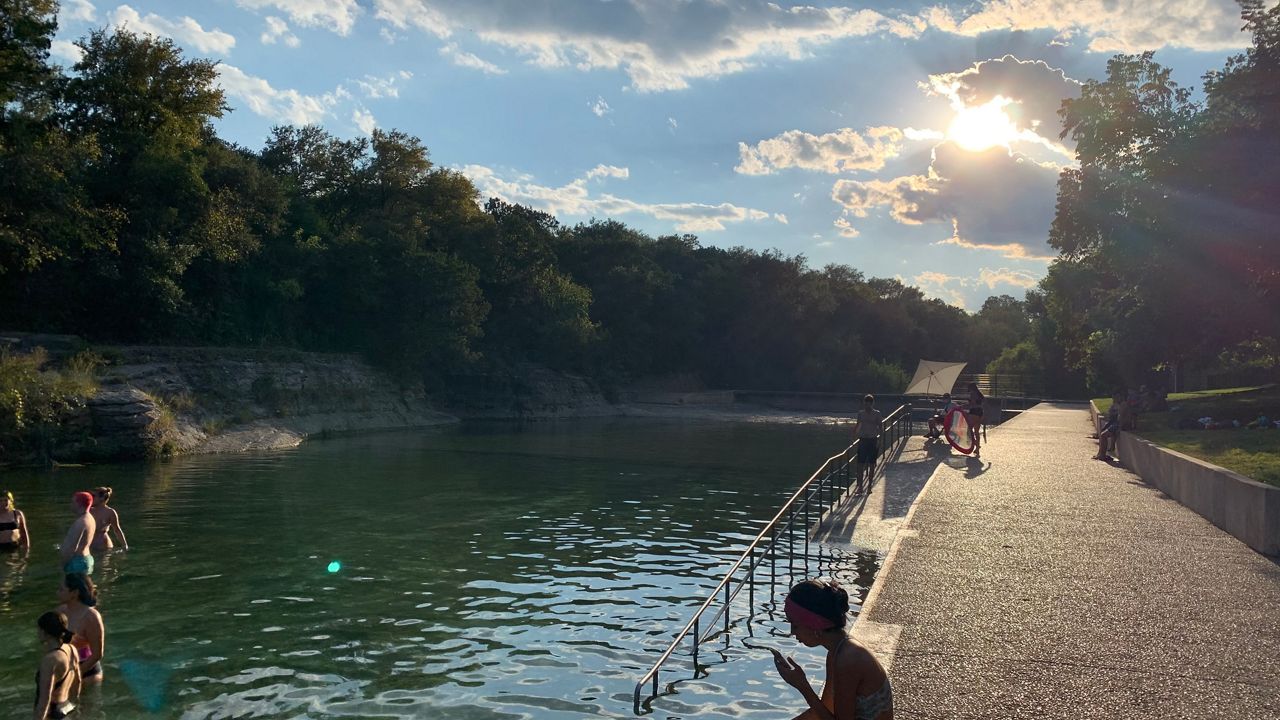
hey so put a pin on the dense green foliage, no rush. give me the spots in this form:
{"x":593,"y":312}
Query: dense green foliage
{"x":124,"y":217}
{"x":37,"y":400}
{"x":1167,"y":230}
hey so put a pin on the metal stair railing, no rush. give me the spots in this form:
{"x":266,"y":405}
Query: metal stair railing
{"x":825,"y":489}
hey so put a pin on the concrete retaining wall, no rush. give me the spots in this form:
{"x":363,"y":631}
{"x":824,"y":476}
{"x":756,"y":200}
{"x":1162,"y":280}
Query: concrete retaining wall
{"x":1247,"y":509}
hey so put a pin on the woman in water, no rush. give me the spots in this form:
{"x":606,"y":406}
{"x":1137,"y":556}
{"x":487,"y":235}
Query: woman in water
{"x":107,"y":520}
{"x":857,"y":686}
{"x":976,"y":399}
{"x":58,"y":679}
{"x":79,"y":600}
{"x":13,"y":525}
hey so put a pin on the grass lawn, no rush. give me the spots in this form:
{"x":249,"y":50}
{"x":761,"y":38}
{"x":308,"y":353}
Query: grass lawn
{"x":1252,"y":453}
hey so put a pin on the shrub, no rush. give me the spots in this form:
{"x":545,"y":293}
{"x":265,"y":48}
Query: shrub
{"x":36,"y":400}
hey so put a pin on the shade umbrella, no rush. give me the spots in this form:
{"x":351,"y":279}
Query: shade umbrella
{"x":934,"y":378}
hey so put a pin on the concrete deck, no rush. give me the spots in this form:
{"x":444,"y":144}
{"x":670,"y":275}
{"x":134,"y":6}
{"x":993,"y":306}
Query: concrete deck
{"x":1039,"y":583}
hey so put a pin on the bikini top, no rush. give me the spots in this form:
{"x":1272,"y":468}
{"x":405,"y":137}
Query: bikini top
{"x":11,"y":524}
{"x":57,"y":684}
{"x":9,"y":531}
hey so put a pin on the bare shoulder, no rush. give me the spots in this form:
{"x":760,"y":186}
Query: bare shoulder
{"x":861,"y":663}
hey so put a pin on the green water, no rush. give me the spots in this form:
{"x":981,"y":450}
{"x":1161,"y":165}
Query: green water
{"x":487,"y":571}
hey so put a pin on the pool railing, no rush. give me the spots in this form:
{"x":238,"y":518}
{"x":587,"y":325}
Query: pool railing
{"x":823,"y":491}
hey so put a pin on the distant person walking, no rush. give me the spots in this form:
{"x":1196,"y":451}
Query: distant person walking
{"x":866,"y":431}
{"x":975,"y":412}
{"x":75,"y":546}
{"x":107,"y":519}
{"x":13,"y":525}
{"x":857,"y":686}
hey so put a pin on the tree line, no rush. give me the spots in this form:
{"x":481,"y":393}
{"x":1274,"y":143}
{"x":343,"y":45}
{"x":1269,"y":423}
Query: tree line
{"x":1168,"y":231}
{"x":125,"y":218}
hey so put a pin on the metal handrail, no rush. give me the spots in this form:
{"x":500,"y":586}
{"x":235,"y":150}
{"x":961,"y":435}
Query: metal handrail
{"x":799,"y":501}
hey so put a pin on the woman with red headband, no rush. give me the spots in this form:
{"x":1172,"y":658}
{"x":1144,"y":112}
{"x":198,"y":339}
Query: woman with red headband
{"x":857,"y":686}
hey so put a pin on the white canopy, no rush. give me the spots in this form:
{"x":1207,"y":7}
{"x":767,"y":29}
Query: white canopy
{"x":934,"y":378}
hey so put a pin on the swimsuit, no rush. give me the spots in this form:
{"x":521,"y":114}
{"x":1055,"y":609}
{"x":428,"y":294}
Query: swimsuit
{"x":62,"y":709}
{"x":79,"y":565}
{"x":871,"y":706}
{"x":11,"y":528}
{"x":85,"y":651}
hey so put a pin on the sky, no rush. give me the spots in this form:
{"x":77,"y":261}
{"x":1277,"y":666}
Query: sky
{"x":915,"y":139}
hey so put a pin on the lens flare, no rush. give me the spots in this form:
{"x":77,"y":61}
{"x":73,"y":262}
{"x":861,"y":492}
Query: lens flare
{"x":983,"y":127}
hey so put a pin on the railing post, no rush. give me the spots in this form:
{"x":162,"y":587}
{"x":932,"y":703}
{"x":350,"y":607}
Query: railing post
{"x":697,"y":637}
{"x":751,"y":584}
{"x":727,"y":600}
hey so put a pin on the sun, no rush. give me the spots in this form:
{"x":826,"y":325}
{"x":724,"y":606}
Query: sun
{"x":979,"y":128}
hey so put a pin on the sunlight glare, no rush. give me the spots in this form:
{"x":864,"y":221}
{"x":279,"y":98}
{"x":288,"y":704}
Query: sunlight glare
{"x":978,"y":128}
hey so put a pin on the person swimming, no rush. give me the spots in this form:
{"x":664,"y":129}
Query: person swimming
{"x":58,"y":677}
{"x":106,"y":520}
{"x":79,"y":600}
{"x":13,"y":525}
{"x":857,"y":687}
{"x":75,"y":546}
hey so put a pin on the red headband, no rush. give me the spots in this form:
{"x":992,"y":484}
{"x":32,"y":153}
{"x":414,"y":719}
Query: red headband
{"x":804,"y":617}
{"x":83,"y":498}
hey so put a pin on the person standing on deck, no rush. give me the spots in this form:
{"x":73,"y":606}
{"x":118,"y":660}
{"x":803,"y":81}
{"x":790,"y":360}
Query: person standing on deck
{"x":866,"y":431}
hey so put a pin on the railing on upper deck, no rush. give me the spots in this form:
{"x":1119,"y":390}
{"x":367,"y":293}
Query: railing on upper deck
{"x":824,"y":490}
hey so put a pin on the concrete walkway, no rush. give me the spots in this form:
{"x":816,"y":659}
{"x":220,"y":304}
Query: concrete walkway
{"x":1039,"y":583}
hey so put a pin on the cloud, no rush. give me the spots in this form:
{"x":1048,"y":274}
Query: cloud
{"x":1036,"y":90}
{"x":461,"y":58}
{"x":278,"y":29}
{"x":942,"y":286}
{"x":659,"y":44}
{"x":599,"y":107}
{"x":364,"y":120}
{"x":1111,"y":26}
{"x":376,"y":88}
{"x":782,"y":218}
{"x":608,"y":171}
{"x":1005,"y":276}
{"x":846,"y":228}
{"x":67,"y":51}
{"x":844,"y":150}
{"x":575,"y":199}
{"x":994,"y":200}
{"x":672,"y":125}
{"x":284,"y":106}
{"x":80,"y":10}
{"x":336,"y":15}
{"x":185,"y":30}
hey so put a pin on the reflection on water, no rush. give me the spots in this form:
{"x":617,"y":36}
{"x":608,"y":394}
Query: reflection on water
{"x":487,"y":571}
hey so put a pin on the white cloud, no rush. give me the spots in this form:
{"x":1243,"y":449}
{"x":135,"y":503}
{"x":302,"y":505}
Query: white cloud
{"x":600,"y":107}
{"x":844,"y":150}
{"x":660,"y":44}
{"x":278,"y":30}
{"x":664,"y":44}
{"x":608,"y":171}
{"x":1111,"y":25}
{"x":67,"y":51}
{"x":781,"y":217}
{"x":336,"y":15}
{"x":80,"y":10}
{"x":364,"y":120}
{"x":942,"y":286}
{"x":388,"y":36}
{"x":672,"y":125}
{"x":575,"y":199}
{"x":376,"y":88}
{"x":284,"y":106}
{"x":846,"y":228}
{"x":994,"y":200}
{"x":1005,"y":276}
{"x":461,"y":58}
{"x":1036,"y":88}
{"x":185,"y":30}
